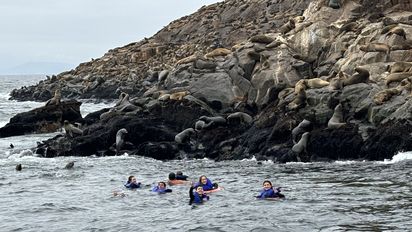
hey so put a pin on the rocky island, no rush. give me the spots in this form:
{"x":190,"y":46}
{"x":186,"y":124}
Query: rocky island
{"x":275,"y":79}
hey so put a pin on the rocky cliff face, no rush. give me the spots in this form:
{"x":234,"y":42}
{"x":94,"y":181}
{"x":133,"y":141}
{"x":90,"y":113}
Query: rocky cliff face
{"x":343,"y":65}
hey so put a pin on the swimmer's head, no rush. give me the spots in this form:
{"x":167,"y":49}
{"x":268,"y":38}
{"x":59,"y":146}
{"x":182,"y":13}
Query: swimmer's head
{"x":267,"y":184}
{"x":162,"y":185}
{"x":131,"y":179}
{"x":203,"y":180}
{"x":172,"y":176}
{"x":199,"y":190}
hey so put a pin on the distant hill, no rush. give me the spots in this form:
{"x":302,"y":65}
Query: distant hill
{"x":38,"y":68}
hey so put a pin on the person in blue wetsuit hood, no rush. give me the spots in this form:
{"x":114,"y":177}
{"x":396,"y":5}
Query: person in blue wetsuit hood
{"x":206,"y":184}
{"x":197,"y":195}
{"x":132,"y":183}
{"x":161,"y":188}
{"x":269,"y":191}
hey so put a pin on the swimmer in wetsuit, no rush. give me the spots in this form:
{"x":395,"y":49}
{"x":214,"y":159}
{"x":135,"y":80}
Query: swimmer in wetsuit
{"x":197,"y":196}
{"x":269,"y":191}
{"x":206,"y":184}
{"x":161,"y":188}
{"x":132,"y":183}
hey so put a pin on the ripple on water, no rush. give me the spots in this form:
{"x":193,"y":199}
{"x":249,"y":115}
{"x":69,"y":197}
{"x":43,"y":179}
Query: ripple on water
{"x":321,"y":196}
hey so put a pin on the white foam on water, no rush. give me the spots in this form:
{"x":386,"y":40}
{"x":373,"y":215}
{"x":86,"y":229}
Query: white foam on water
{"x":251,"y":159}
{"x":268,"y":162}
{"x":22,"y":153}
{"x":87,"y":107}
{"x":347,"y":162}
{"x":401,"y":156}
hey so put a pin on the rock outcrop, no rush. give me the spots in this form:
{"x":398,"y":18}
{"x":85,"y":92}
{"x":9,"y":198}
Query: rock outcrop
{"x":44,"y":119}
{"x":280,"y":62}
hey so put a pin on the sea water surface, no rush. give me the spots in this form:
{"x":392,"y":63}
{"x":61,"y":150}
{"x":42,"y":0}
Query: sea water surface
{"x":338,"y":196}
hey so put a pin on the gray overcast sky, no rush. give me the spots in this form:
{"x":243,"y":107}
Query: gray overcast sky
{"x":35,"y":32}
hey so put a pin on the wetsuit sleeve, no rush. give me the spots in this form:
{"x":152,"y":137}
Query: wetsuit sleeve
{"x":260,"y":194}
{"x":191,"y":195}
{"x":181,"y":177}
{"x":133,"y":185}
{"x":168,"y":191}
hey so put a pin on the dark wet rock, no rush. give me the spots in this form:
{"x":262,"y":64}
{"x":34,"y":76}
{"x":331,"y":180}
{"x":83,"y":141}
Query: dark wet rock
{"x":389,"y":139}
{"x":177,"y":76}
{"x":158,"y":150}
{"x":44,"y":119}
{"x":339,"y":144}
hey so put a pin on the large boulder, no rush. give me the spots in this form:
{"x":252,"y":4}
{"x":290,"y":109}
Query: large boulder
{"x":45,"y":119}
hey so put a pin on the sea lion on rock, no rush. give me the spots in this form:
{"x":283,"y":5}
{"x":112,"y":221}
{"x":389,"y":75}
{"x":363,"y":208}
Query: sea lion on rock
{"x":218,"y":52}
{"x":261,"y":39}
{"x":274,"y":44}
{"x":164,"y":97}
{"x":376,"y":47}
{"x":188,"y":59}
{"x":300,"y":85}
{"x":71,"y":130}
{"x":123,"y":104}
{"x":301,"y":128}
{"x":239,"y":117}
{"x":313,"y":83}
{"x":299,"y":19}
{"x":55,"y":100}
{"x":396,"y":77}
{"x":120,"y":100}
{"x":278,"y":41}
{"x":299,"y":100}
{"x":18,"y":167}
{"x":336,"y":83}
{"x":120,"y":139}
{"x":400,"y":67}
{"x":109,"y":114}
{"x":184,"y":136}
{"x":199,"y":125}
{"x":287,"y":26}
{"x":163,"y":75}
{"x":388,"y":21}
{"x":385,"y":95}
{"x":350,"y":26}
{"x":387,"y":28}
{"x":336,"y":121}
{"x":213,"y":121}
{"x":397,"y":31}
{"x":361,"y":77}
{"x":302,"y":144}
{"x":254,"y":55}
{"x":316,"y":83}
{"x":406,"y":84}
{"x":178,"y":95}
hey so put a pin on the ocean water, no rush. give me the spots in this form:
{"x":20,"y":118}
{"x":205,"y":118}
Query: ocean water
{"x":338,"y":196}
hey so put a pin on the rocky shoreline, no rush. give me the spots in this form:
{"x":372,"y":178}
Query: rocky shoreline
{"x":319,"y":81}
